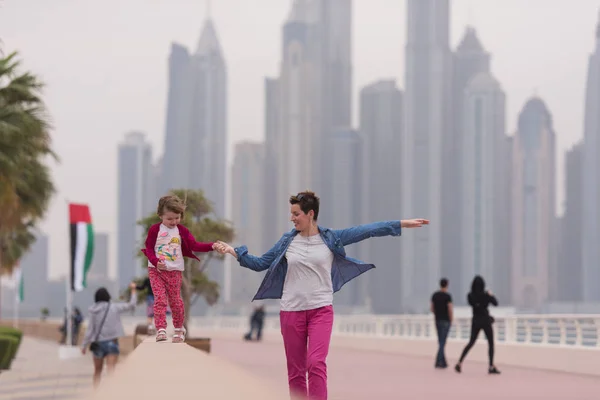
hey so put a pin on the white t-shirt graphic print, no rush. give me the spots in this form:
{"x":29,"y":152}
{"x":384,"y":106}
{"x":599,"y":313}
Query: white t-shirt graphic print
{"x":168,"y":248}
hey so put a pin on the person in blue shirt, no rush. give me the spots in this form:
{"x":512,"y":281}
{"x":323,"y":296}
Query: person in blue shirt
{"x":304,"y":269}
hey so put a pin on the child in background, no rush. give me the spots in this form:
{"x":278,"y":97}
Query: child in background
{"x":168,"y":242}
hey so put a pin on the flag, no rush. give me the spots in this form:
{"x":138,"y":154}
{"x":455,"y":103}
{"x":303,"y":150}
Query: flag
{"x":82,"y":245}
{"x":19,"y":288}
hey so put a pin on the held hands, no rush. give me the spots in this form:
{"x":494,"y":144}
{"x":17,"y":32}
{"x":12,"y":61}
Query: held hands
{"x":161,"y":265}
{"x":132,"y":287}
{"x":223,"y":248}
{"x":414,"y":223}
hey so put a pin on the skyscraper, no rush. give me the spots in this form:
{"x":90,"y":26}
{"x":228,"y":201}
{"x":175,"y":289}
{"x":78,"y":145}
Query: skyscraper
{"x":483,"y":185}
{"x":249,"y":212}
{"x":196,"y":131}
{"x":568,"y":282}
{"x":381,"y":127}
{"x":135,"y":201}
{"x":315,"y":87}
{"x":591,"y":179}
{"x":428,"y":85}
{"x":347,"y":164}
{"x":533,"y":205}
{"x":469,"y":59}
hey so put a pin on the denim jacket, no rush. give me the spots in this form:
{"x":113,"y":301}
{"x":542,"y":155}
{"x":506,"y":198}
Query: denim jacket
{"x":343,"y":269}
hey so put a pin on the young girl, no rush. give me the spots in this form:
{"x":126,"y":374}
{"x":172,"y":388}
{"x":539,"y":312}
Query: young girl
{"x":167,"y":244}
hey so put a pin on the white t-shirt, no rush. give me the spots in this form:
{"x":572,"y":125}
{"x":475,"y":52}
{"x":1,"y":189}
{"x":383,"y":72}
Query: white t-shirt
{"x":168,"y":248}
{"x":308,"y":280}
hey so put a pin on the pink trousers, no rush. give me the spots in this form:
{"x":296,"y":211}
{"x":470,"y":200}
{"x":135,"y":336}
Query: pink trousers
{"x":306,"y":337}
{"x":166,"y":285}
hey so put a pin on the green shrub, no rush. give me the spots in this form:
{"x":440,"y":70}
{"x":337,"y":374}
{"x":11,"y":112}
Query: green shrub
{"x":8,"y":331}
{"x":8,"y":350}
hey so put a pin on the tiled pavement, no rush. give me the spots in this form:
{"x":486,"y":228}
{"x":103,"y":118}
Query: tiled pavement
{"x":38,"y":374}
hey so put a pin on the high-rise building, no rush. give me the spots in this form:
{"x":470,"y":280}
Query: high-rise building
{"x":175,"y":161}
{"x":135,"y":201}
{"x":381,"y":128}
{"x":271,"y":228}
{"x":568,"y":282}
{"x":196,"y":130}
{"x":469,"y":60}
{"x":315,"y":88}
{"x":591,"y":180}
{"x":249,"y":212}
{"x":428,"y":108}
{"x":347,"y":162}
{"x":484,"y":160}
{"x":533,"y":210}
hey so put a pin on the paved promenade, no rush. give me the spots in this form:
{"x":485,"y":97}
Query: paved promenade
{"x":369,"y":375}
{"x":38,"y":374}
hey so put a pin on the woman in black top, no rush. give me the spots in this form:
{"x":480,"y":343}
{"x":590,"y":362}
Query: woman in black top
{"x":479,"y":299}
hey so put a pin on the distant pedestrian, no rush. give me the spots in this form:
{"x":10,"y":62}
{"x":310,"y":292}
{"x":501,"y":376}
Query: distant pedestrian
{"x":441,"y":307}
{"x":480,"y":299}
{"x":104,"y":330}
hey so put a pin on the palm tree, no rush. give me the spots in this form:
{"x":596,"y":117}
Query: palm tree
{"x":205,"y":227}
{"x":26,"y":186}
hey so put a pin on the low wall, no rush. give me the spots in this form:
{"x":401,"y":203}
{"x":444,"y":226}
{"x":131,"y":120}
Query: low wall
{"x":50,"y":330}
{"x":166,"y":370}
{"x":545,"y":357}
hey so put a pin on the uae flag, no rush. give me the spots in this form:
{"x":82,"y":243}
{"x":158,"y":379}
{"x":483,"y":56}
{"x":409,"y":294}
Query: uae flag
{"x":82,"y":245}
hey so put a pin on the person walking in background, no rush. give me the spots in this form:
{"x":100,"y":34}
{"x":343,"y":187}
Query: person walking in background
{"x":304,"y":269}
{"x":441,"y":307}
{"x":480,"y":299}
{"x":257,"y":321}
{"x":145,"y":285}
{"x":104,"y":330}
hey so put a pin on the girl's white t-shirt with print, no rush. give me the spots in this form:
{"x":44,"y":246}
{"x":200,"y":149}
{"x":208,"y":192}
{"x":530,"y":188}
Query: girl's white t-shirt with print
{"x":168,"y":248}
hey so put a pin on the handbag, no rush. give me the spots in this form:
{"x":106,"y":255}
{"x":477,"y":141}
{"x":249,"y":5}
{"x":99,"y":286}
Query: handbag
{"x":94,"y":344}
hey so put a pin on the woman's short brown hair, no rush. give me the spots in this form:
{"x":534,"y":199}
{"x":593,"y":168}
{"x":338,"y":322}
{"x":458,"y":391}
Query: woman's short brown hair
{"x":308,"y":201}
{"x":170,"y":203}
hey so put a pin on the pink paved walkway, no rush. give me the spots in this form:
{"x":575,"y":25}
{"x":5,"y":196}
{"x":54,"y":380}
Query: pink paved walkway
{"x":364,"y":375}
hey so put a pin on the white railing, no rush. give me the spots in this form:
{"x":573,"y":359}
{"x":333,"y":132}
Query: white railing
{"x":551,"y":330}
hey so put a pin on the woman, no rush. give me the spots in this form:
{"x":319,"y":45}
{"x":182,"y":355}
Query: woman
{"x":305,"y":267}
{"x":105,"y":328}
{"x":479,"y":299}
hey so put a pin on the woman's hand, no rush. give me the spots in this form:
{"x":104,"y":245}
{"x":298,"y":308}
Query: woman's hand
{"x":414,"y":223}
{"x":132,"y":287}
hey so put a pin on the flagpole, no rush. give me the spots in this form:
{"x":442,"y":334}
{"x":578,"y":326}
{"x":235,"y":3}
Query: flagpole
{"x":69,"y":283}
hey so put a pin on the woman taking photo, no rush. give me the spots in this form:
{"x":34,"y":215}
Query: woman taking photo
{"x":305,"y":267}
{"x":104,"y":330}
{"x":480,"y":299}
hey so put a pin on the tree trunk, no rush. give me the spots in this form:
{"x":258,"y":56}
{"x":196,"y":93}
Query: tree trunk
{"x":1,"y":274}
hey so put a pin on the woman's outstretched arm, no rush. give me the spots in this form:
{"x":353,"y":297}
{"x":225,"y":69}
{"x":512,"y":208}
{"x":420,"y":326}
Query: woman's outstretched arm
{"x":377,"y":229}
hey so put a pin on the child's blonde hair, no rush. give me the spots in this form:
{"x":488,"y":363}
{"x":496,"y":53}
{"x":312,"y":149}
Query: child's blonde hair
{"x":170,"y":203}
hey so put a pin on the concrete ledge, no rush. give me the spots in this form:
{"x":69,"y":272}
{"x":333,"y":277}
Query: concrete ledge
{"x":168,"y":370}
{"x":573,"y":360}
{"x":48,"y":330}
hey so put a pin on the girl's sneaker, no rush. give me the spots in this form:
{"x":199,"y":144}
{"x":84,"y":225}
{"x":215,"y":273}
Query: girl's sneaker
{"x":161,"y":335}
{"x":179,"y":335}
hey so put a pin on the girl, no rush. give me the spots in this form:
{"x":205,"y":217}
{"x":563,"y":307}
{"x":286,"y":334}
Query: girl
{"x":167,"y":244}
{"x":305,"y":267}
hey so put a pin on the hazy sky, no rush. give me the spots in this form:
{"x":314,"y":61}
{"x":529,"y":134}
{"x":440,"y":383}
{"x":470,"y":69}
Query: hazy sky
{"x":105,"y":66}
